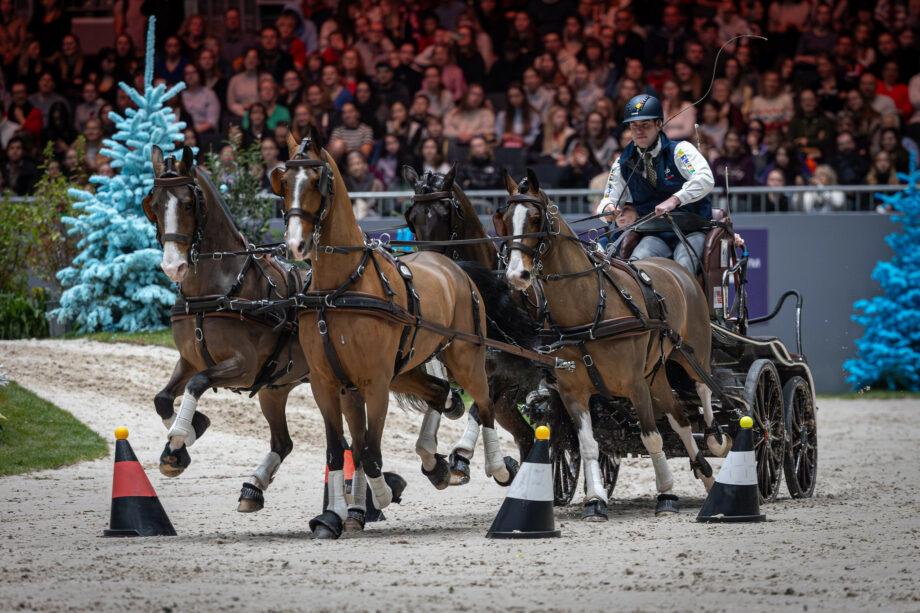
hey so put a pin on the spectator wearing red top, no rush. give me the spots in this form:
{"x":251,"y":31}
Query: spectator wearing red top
{"x":287,"y":29}
{"x":773,"y":107}
{"x":333,"y":52}
{"x":890,"y":85}
{"x":22,"y":112}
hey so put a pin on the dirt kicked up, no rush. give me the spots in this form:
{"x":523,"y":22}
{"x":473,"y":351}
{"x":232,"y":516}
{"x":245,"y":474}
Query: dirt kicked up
{"x":854,"y":546}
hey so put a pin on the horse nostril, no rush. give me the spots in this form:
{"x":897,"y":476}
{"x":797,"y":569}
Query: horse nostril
{"x":302,"y":247}
{"x":525,"y":275}
{"x":181,"y":269}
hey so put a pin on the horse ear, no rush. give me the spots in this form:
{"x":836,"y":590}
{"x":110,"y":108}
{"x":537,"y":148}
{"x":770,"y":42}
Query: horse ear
{"x":410,"y":175}
{"x":148,"y":208}
{"x":448,"y":182}
{"x":316,"y":138}
{"x":277,"y":186}
{"x":510,"y":185}
{"x":156,"y":156}
{"x":188,"y":161}
{"x":532,"y":181}
{"x":292,"y":144}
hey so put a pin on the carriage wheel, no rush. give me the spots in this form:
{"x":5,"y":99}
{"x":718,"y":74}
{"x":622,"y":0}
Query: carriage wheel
{"x":610,"y":470}
{"x":566,"y":463}
{"x":764,"y":395}
{"x":801,"y":460}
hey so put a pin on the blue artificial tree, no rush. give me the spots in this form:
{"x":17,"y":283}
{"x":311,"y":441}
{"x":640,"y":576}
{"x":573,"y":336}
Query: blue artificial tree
{"x":115,"y":282}
{"x":889,"y":352}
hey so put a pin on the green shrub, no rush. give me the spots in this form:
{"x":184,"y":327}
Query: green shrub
{"x":23,"y":316}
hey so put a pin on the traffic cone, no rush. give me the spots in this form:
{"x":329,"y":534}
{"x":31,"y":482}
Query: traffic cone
{"x":136,"y":510}
{"x":734,"y":496}
{"x":372,"y":513}
{"x":527,"y":512}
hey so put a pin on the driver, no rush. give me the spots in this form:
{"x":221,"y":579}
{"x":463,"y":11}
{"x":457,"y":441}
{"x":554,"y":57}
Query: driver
{"x":657,"y":174}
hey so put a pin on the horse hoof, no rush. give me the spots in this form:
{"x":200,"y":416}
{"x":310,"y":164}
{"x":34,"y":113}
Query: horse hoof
{"x":440,"y":474}
{"x":667,"y":505}
{"x":397,"y":485}
{"x":173,"y":463}
{"x":251,"y":499}
{"x":595,"y":510}
{"x":327,"y":526}
{"x":200,"y":423}
{"x":459,"y":469}
{"x":456,"y":408}
{"x":512,"y":467}
{"x":355,"y":520}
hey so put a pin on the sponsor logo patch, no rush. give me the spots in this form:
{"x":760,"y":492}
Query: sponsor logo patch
{"x":686,"y":160}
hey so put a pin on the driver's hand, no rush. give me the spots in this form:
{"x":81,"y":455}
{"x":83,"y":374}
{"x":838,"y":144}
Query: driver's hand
{"x":739,"y":242}
{"x":667,"y":206}
{"x":612,"y":212}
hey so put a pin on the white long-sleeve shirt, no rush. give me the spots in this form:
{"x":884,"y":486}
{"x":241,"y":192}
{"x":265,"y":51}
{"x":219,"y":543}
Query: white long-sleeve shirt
{"x":689,"y":162}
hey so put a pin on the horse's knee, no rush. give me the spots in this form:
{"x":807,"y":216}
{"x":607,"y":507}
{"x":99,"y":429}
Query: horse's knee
{"x":164,"y":402}
{"x":198,"y":384}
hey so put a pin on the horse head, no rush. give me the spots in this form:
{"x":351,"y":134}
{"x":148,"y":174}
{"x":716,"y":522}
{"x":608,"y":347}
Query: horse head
{"x":432,"y":214}
{"x":306,"y":186}
{"x":527,"y":214}
{"x":176,"y":207}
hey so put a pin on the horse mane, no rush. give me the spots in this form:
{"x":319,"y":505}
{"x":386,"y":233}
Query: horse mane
{"x":469,"y":212}
{"x":210,"y":191}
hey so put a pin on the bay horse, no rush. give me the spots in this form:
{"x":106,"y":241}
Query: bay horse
{"x":349,"y":348}
{"x":580,"y":287}
{"x":220,"y":348}
{"x":442,"y":212}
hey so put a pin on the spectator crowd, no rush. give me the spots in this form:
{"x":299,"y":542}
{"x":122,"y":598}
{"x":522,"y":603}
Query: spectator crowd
{"x":832,"y":97}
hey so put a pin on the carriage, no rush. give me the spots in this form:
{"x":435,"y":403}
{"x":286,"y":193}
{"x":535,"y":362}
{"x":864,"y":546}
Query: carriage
{"x":759,"y":374}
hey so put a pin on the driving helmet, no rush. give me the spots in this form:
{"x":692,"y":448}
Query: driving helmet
{"x":641,"y":107}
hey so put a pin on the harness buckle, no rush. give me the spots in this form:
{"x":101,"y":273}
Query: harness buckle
{"x":328,"y":300}
{"x":321,"y":325}
{"x":199,"y":334}
{"x":625,"y":293}
{"x":588,"y":360}
{"x":328,"y":249}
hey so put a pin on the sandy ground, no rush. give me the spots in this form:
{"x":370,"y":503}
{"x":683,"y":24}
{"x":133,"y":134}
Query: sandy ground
{"x":854,"y":546}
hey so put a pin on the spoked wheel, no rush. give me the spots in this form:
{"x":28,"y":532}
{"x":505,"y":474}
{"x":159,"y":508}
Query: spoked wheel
{"x":801,"y":460}
{"x":566,"y":463}
{"x":764,"y":395}
{"x":610,"y":470}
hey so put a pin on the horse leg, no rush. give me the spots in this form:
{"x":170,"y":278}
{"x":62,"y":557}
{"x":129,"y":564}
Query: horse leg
{"x":467,"y":363}
{"x":164,"y":402}
{"x":385,"y":488}
{"x":273,"y":403}
{"x":352,"y":405}
{"x":462,"y":452}
{"x":719,"y":443}
{"x":435,"y":392}
{"x":595,"y":492}
{"x":330,"y":523}
{"x":190,"y":424}
{"x":641,"y":397}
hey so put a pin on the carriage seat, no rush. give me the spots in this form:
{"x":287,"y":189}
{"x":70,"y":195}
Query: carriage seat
{"x":718,"y":255}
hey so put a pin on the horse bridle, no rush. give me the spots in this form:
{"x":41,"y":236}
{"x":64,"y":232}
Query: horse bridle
{"x":547,"y":217}
{"x":324,"y":186}
{"x":171,"y":178}
{"x":456,"y":213}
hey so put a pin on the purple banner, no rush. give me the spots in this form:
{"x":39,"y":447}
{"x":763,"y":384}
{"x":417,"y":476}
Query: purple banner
{"x":755,"y":240}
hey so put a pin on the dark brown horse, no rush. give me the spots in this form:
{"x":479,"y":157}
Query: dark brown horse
{"x":580,"y":288}
{"x":366,"y":349}
{"x":220,"y":349}
{"x":441,"y":212}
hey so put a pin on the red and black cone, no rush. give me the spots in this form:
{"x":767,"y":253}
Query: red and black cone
{"x":136,"y":510}
{"x":527,"y":512}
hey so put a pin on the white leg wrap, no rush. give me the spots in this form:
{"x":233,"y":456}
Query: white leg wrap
{"x":380,"y":492}
{"x":359,"y":490}
{"x":427,"y":444}
{"x":664,"y":480}
{"x":337,"y":494}
{"x":495,"y":461}
{"x":705,"y":395}
{"x":595,"y":489}
{"x":265,"y":473}
{"x":181,"y":430}
{"x":467,"y":443}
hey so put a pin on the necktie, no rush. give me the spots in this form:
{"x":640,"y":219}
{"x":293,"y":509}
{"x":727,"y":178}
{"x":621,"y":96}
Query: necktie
{"x":650,"y":173}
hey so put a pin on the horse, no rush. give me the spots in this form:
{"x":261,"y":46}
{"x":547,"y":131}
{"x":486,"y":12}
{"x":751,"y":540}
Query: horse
{"x":623,"y":352}
{"x":220,"y":348}
{"x":369,"y":323}
{"x":441,"y":212}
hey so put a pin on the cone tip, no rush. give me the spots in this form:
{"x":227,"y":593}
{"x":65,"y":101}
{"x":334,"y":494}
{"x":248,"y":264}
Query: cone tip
{"x":542,"y":433}
{"x":121,"y":433}
{"x":746,"y":422}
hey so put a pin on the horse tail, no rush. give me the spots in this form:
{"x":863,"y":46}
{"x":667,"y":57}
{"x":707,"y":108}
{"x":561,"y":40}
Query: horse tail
{"x":506,"y":320}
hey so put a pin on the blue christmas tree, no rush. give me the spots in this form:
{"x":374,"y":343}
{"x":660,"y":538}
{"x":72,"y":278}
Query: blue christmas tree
{"x":889,"y":352}
{"x":115,"y":282}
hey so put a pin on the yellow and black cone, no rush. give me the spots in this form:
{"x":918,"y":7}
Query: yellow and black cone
{"x":136,"y":510}
{"x":527,"y":512}
{"x":735,"y":497}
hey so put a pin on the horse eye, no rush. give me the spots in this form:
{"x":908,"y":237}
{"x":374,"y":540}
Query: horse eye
{"x":188,"y":206}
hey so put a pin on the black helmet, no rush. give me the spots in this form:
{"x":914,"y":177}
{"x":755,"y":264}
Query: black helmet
{"x":641,"y":107}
